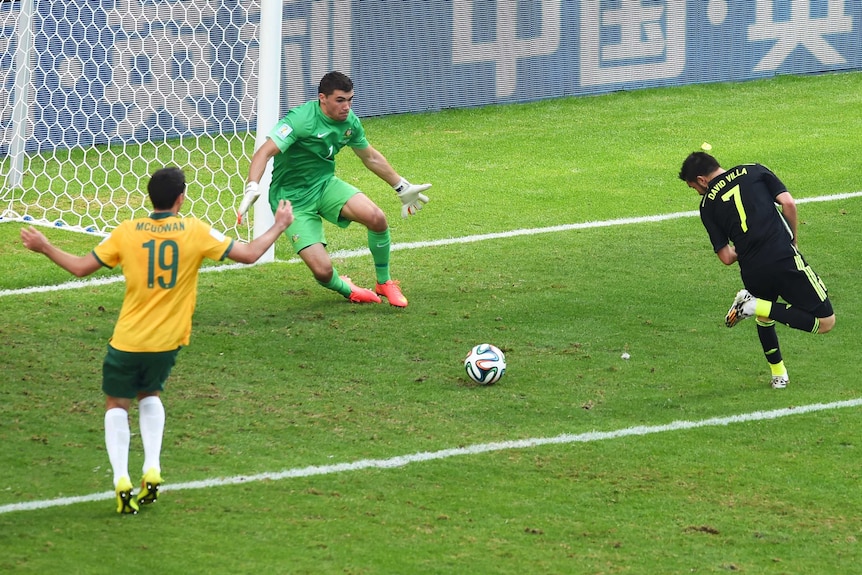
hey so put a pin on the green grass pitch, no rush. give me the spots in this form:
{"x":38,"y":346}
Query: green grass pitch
{"x":306,"y":435}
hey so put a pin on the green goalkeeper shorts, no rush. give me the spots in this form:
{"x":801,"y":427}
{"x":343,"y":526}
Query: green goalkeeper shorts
{"x":308,"y":214}
{"x":126,"y":373}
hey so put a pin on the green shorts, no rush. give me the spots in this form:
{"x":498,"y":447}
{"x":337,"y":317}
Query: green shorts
{"x":307,"y":226}
{"x":126,"y":374}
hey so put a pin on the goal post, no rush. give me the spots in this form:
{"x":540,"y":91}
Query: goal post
{"x":268,"y":106}
{"x":24,"y":38}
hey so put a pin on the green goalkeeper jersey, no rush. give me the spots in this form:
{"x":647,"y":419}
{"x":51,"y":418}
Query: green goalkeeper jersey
{"x":308,"y":140}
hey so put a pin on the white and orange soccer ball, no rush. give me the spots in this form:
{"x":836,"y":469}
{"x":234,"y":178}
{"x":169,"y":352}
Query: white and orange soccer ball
{"x":485,"y":364}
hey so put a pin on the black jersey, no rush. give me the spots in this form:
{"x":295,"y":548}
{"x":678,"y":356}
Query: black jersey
{"x":739,"y":208}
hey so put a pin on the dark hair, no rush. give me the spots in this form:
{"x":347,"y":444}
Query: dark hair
{"x":165,"y":186}
{"x":697,"y":164}
{"x":333,"y":81}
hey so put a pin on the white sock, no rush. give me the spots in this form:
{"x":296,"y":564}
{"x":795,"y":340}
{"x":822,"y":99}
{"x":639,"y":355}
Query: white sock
{"x":117,"y":437}
{"x":152,"y":420}
{"x":749,"y":308}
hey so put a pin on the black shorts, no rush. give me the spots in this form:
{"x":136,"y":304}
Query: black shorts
{"x":792,"y":280}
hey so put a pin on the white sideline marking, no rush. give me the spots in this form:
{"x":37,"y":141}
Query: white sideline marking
{"x":76,"y":284}
{"x":402,"y":460}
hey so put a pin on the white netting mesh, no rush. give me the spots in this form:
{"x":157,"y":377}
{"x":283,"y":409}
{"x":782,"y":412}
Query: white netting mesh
{"x":101,"y":94}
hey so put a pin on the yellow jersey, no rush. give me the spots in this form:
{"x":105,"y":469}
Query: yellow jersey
{"x":160,"y":256}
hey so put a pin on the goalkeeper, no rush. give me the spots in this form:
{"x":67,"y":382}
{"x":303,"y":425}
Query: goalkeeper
{"x":303,"y":146}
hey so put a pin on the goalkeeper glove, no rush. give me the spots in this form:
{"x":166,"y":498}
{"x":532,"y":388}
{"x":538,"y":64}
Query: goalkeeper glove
{"x":412,"y":198}
{"x":251,"y":194}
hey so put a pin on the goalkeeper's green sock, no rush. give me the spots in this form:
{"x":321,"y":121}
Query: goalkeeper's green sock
{"x":336,"y":284}
{"x":379,"y":244}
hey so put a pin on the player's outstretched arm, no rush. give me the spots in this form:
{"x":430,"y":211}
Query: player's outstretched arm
{"x":251,"y":252}
{"x":79,"y":266}
{"x":411,"y":196}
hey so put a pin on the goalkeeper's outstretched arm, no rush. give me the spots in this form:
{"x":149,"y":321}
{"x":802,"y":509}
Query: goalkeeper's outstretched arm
{"x":411,"y":196}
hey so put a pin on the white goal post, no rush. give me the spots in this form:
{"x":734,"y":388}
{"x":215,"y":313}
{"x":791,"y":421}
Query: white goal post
{"x":102,"y":94}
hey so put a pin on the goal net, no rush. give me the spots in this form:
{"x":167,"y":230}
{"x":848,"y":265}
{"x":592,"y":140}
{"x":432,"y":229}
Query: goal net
{"x":103,"y":93}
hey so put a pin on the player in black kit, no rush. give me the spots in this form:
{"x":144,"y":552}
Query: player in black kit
{"x":751,"y":219}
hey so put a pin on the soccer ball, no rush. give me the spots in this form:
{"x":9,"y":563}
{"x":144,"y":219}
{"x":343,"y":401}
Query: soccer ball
{"x":485,"y":364}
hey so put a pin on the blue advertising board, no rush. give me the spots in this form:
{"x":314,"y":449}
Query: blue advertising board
{"x":136,"y":70}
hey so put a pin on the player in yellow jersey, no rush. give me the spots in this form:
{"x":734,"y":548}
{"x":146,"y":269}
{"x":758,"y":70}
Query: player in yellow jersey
{"x":160,"y":257}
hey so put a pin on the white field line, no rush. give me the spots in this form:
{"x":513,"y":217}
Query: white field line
{"x":76,"y":284}
{"x":402,"y":460}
